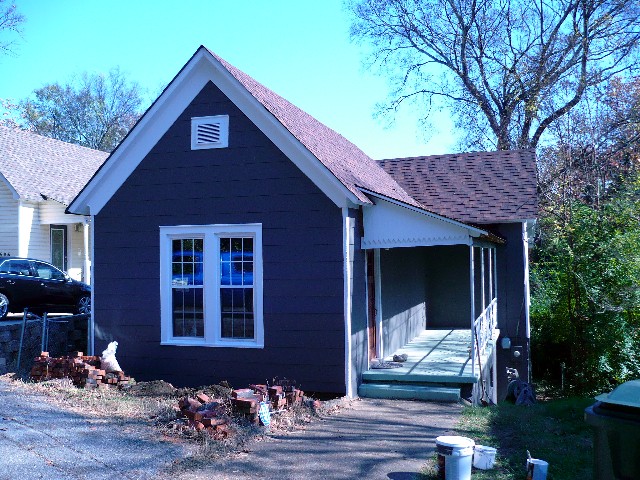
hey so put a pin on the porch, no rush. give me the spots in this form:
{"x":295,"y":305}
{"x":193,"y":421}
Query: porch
{"x":439,"y":367}
{"x":432,"y":295}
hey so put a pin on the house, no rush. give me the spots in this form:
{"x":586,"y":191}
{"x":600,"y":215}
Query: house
{"x":237,"y":238}
{"x":39,"y":177}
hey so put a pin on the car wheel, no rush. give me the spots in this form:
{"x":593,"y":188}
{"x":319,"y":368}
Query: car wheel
{"x":4,"y":306}
{"x":84,"y":305}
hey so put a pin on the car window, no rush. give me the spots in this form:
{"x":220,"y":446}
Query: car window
{"x":48,"y":272}
{"x":15,"y":267}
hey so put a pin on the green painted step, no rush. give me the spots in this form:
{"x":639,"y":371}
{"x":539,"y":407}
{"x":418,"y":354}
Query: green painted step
{"x":391,"y":375}
{"x":406,"y":392}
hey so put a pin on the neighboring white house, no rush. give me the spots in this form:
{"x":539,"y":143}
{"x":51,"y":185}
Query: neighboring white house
{"x":39,"y":177}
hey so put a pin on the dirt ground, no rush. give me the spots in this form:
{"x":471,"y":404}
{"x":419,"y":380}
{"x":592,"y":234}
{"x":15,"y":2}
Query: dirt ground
{"x":41,"y":437}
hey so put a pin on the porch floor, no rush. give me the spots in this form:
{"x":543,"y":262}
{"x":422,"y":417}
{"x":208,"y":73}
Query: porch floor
{"x":434,"y":357}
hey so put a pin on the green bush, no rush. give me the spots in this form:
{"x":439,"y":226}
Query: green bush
{"x":585,"y":279}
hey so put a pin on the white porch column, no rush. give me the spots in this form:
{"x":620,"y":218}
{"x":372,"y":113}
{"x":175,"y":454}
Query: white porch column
{"x":482,"y":284}
{"x":86,"y":268}
{"x":491,"y":295}
{"x":472,"y":286}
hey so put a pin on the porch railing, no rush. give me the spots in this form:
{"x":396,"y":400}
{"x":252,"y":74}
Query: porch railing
{"x":482,"y":332}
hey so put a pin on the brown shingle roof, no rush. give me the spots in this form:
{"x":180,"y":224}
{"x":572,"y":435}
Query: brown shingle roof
{"x":346,"y":161}
{"x":38,"y":166}
{"x":480,"y":187}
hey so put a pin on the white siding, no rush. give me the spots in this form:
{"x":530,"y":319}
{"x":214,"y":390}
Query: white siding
{"x":34,"y":236}
{"x":8,"y":221}
{"x":52,"y":213}
{"x":75,"y":251}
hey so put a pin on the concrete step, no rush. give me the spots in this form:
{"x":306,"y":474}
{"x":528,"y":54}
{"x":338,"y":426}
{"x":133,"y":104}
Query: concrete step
{"x":400,"y":376}
{"x":407,"y":392}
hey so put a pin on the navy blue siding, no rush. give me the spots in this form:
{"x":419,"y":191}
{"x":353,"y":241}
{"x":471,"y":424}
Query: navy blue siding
{"x":448,"y":290}
{"x":249,"y":182}
{"x":404,"y":295}
{"x":511,"y":303}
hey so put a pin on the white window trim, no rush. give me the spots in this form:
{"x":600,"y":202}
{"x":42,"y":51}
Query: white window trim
{"x":223,"y":123}
{"x":211,"y":284}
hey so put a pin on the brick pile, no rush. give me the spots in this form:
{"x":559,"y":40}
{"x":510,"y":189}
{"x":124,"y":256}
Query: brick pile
{"x":83,"y":370}
{"x":203,"y":413}
{"x":278,"y":397}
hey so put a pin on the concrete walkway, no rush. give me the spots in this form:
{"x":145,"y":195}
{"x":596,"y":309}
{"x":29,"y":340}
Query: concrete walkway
{"x":373,"y":439}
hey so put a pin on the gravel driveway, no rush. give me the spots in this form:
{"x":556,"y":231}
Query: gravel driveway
{"x":370,"y":439}
{"x":41,"y":441}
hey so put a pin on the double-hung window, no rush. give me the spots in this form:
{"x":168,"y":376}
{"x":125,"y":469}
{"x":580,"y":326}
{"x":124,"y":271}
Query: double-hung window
{"x":211,"y":285}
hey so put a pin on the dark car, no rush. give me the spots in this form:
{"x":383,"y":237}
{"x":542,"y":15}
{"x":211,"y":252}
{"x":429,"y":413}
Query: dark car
{"x":40,"y":287}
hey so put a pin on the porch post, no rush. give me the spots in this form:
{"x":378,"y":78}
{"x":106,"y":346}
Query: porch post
{"x":473,"y":308}
{"x":482,"y":284}
{"x":491,"y":296}
{"x":86,"y":267}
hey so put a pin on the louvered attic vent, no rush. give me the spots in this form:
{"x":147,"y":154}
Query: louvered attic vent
{"x":210,"y":132}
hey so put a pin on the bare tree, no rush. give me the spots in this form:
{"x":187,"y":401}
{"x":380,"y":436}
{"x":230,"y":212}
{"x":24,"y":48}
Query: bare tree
{"x":509,"y":68}
{"x":10,"y":21}
{"x":96,"y":111}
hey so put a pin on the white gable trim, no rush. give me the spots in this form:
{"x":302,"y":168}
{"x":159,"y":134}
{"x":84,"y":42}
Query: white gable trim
{"x":202,"y":68}
{"x":390,"y":224}
{"x":13,"y":191}
{"x":477,"y":231}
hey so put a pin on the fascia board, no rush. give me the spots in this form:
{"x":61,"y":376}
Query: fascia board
{"x":14,"y":193}
{"x":473,"y":231}
{"x":202,"y":68}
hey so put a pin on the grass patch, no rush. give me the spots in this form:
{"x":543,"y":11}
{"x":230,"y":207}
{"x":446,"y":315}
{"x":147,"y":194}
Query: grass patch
{"x":552,"y":430}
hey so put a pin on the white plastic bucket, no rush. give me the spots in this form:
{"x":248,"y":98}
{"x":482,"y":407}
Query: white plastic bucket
{"x":537,"y":469}
{"x":484,"y":457}
{"x":454,"y":457}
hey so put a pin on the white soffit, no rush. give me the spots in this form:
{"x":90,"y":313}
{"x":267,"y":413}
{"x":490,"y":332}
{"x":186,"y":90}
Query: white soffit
{"x":389,"y":225}
{"x":202,"y":68}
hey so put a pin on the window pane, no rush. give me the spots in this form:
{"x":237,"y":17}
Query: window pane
{"x":187,"y":261}
{"x":247,"y":273}
{"x":225,"y":245}
{"x":237,"y":312}
{"x":236,"y":273}
{"x":188,"y":313}
{"x":247,"y":247}
{"x":236,"y":244}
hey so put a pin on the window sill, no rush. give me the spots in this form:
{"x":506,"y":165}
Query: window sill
{"x":218,"y":344}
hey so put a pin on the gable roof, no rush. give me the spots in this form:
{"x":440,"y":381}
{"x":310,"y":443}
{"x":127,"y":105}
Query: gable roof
{"x":38,"y":168}
{"x":333,"y":163}
{"x":346,"y":161}
{"x":478,"y":187}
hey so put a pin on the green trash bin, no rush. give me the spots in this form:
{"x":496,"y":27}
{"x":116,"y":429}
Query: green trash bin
{"x":616,"y":439}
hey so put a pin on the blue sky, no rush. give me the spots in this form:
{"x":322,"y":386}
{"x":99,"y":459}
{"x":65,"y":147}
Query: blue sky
{"x":300,"y":49}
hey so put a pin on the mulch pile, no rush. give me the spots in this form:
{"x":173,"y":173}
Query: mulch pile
{"x":83,"y":370}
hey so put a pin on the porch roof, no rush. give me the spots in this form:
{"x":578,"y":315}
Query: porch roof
{"x":395,"y":224}
{"x":477,"y":187}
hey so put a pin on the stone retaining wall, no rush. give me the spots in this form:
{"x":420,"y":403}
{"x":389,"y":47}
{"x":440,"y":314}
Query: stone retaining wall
{"x":64,"y":337}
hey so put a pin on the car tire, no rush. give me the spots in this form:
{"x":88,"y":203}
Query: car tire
{"x":4,"y":306}
{"x":83,"y":306}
